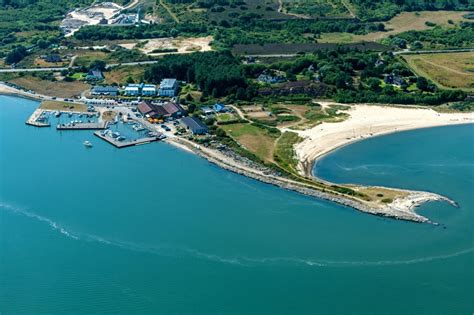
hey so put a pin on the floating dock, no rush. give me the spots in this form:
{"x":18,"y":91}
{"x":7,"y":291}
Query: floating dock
{"x":83,"y":126}
{"x":124,"y":144}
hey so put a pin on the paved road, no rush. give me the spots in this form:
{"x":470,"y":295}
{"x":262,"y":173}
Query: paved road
{"x":440,"y":51}
{"x":33,"y":69}
{"x":66,"y":68}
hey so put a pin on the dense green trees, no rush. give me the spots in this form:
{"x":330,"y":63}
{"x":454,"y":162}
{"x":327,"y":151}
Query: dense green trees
{"x":16,"y":55}
{"x":385,"y":9}
{"x":216,"y":73}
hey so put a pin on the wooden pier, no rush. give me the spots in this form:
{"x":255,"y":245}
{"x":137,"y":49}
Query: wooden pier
{"x":83,"y":126}
{"x":124,"y":144}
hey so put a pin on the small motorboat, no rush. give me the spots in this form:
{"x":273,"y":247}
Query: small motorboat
{"x":87,"y":144}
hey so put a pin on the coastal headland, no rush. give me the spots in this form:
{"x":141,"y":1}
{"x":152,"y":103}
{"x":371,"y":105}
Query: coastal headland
{"x":364,"y":121}
{"x":361,"y":121}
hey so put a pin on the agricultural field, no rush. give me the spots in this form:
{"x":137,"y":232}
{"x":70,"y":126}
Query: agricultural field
{"x":447,"y":70}
{"x":403,"y":22}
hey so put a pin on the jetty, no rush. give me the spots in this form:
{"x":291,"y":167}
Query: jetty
{"x":125,"y":143}
{"x":83,"y":126}
{"x":36,"y":119}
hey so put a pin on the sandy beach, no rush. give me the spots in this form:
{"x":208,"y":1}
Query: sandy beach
{"x":367,"y":121}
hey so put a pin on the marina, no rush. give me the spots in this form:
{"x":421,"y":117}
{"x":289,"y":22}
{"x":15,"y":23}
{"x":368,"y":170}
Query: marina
{"x":121,"y":132}
{"x":83,"y":126}
{"x":38,"y":119}
{"x":120,"y":142}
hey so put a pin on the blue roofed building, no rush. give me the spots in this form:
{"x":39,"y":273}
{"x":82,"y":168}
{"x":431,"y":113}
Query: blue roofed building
{"x":168,"y":87}
{"x":195,"y":125}
{"x":104,"y":90}
{"x":220,"y":108}
{"x":94,"y":75}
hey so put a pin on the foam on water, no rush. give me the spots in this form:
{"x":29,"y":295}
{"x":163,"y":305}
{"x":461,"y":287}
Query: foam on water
{"x":245,"y":261}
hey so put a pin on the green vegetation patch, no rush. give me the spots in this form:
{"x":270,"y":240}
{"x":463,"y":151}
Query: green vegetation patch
{"x":259,"y":140}
{"x":285,"y":153}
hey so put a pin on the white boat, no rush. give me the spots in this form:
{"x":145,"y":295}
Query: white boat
{"x":87,"y":144}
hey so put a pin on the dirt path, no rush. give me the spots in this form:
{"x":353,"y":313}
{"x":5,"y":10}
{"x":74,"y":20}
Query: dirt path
{"x":173,"y":16}
{"x":349,"y":9}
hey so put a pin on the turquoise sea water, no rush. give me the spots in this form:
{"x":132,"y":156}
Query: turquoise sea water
{"x":153,"y":229}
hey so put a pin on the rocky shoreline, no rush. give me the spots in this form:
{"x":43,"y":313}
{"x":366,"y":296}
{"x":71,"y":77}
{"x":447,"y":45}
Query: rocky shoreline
{"x":400,"y":209}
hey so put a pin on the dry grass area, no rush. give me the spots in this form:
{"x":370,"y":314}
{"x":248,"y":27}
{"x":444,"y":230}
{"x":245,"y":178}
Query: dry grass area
{"x":119,"y":75}
{"x":449,"y":70}
{"x":50,"y":88}
{"x":403,"y":22}
{"x":181,"y":44}
{"x":63,"y":106}
{"x":38,"y":62}
{"x":108,"y":115}
{"x":254,"y":139}
{"x":379,"y":195}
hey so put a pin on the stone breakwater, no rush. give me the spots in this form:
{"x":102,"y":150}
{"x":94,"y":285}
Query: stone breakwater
{"x":402,"y":208}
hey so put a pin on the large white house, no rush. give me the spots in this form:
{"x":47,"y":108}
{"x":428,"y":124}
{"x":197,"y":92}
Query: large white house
{"x":168,"y":87}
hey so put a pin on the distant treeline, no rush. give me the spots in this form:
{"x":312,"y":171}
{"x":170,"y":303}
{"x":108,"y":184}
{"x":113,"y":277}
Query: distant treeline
{"x":248,"y":29}
{"x":267,"y":49}
{"x":385,"y":9}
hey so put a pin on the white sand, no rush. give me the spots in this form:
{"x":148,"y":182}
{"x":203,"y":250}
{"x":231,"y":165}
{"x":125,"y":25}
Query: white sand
{"x":367,"y":121}
{"x":182,"y":44}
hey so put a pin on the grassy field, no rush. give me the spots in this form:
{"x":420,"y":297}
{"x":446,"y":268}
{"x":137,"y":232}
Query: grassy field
{"x":406,"y":21}
{"x":63,"y":106}
{"x":86,"y":57}
{"x":318,"y":8}
{"x":284,"y":152}
{"x":226,"y":118}
{"x":120,"y":74}
{"x":449,"y":70}
{"x":51,"y":88}
{"x":255,"y":139}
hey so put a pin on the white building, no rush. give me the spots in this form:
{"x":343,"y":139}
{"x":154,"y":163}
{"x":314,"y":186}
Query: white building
{"x":148,"y":90}
{"x":132,"y":90}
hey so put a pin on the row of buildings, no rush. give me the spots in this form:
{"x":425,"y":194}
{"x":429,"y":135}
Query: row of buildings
{"x":175,"y":111}
{"x":167,"y":88}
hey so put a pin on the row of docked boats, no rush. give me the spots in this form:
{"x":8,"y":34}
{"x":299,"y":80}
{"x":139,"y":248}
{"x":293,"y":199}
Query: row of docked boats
{"x":113,"y":134}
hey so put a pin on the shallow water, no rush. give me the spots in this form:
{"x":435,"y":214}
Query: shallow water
{"x":153,"y":229}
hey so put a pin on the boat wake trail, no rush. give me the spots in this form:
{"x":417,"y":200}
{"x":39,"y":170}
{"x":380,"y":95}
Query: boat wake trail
{"x":51,"y":223}
{"x":238,"y":260}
